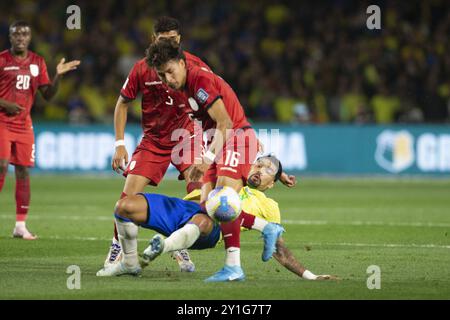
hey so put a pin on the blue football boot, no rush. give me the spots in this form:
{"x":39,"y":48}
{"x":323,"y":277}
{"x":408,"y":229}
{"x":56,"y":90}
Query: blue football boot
{"x":270,"y":233}
{"x":227,"y":273}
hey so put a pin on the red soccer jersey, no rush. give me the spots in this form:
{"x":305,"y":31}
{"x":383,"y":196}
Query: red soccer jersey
{"x":203,"y":88}
{"x":163,"y":109}
{"x":19,"y":81}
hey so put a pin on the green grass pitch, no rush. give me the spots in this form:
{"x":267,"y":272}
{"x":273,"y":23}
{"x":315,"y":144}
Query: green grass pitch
{"x":334,"y":226}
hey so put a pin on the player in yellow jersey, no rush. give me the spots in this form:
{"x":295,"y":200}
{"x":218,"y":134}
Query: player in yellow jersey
{"x":185,"y":225}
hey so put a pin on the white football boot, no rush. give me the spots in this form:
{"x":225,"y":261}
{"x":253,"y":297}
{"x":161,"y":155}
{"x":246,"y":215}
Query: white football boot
{"x":23,"y":233}
{"x":114,"y":254}
{"x":154,"y":249}
{"x":184,"y":261}
{"x":119,"y":269}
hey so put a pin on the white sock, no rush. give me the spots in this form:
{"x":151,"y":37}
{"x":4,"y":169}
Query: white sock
{"x":233,"y":256}
{"x":259,"y":224}
{"x":308,"y":275}
{"x":128,"y":241}
{"x":20,"y":224}
{"x":182,"y":238}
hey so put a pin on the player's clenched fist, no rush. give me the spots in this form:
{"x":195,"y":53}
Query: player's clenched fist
{"x":288,"y":180}
{"x":120,"y":159}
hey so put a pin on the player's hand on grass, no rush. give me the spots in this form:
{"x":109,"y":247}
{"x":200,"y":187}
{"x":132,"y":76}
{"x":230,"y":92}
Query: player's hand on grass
{"x":288,"y":180}
{"x":64,"y":67}
{"x":12,"y":108}
{"x":120,"y":159}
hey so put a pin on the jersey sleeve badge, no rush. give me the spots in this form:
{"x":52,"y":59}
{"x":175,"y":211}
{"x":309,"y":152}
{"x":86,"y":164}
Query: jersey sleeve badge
{"x":202,"y":95}
{"x":34,"y":70}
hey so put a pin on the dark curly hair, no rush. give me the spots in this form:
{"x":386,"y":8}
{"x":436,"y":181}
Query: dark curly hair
{"x":158,"y":54}
{"x":166,"y":24}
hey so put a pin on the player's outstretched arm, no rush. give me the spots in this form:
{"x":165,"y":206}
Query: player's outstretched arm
{"x":286,"y":258}
{"x":120,"y":157}
{"x":49,"y":91}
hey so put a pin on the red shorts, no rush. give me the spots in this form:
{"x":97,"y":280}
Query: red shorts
{"x":17,"y":146}
{"x":152,"y":162}
{"x":236,"y":158}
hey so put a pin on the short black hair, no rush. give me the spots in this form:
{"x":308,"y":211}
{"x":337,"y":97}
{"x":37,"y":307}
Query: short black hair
{"x":19,"y":23}
{"x":158,"y":54}
{"x":166,"y":24}
{"x":280,"y":168}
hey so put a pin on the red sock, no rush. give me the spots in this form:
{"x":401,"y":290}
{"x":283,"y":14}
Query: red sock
{"x":191,"y":186}
{"x":232,"y":233}
{"x":116,"y":235}
{"x":22,"y":198}
{"x":247,"y":219}
{"x":2,"y":180}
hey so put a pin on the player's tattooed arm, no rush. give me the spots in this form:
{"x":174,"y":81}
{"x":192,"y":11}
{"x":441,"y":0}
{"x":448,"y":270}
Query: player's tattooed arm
{"x":287,"y":259}
{"x":49,"y":91}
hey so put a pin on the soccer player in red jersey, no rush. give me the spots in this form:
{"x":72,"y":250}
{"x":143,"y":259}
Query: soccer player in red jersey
{"x":22,"y":73}
{"x":231,"y":152}
{"x":163,"y":112}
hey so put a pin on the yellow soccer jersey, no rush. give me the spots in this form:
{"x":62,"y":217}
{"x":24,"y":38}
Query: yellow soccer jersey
{"x":254,"y":202}
{"x":193,"y":196}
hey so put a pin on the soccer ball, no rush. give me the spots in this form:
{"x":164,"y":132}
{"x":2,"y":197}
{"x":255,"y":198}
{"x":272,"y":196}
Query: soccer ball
{"x":223,"y":204}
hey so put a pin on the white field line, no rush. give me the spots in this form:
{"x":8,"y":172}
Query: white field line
{"x":35,"y":216}
{"x":383,"y":245}
{"x":110,"y":218}
{"x":358,"y":210}
{"x":339,"y":244}
{"x":367,"y":223}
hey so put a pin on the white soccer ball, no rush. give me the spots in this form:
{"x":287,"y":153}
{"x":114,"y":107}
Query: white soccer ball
{"x":223,"y":204}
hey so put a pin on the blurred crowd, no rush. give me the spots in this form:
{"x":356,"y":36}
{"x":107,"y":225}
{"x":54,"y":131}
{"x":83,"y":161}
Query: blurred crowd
{"x":288,"y":61}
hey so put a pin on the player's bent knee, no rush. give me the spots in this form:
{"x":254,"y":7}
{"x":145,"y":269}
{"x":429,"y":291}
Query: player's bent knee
{"x":204,"y":223}
{"x":122,"y":207}
{"x":132,"y":207}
